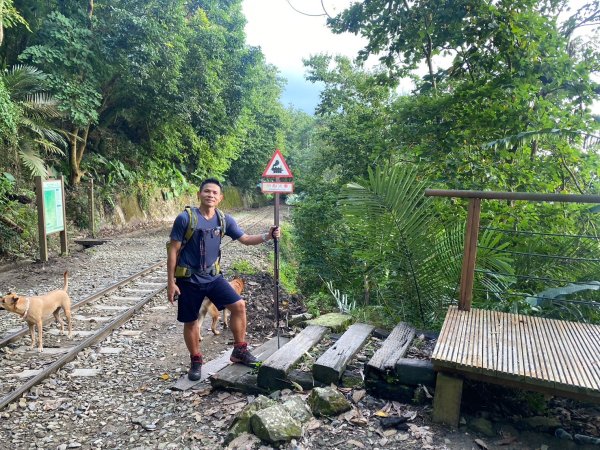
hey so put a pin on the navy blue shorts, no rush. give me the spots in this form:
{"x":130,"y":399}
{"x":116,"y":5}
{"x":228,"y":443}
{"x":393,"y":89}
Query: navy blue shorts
{"x":190,"y":299}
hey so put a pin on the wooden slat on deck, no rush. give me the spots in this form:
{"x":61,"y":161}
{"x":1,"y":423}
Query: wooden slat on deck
{"x":551,"y":354}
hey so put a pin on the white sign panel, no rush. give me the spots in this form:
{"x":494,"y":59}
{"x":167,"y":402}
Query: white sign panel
{"x":53,"y":206}
{"x":281,"y":188}
{"x":277,"y":167}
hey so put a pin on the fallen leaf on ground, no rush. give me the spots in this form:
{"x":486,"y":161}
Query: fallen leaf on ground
{"x":357,"y":396}
{"x":481,"y":444}
{"x":381,"y":413}
{"x":312,"y":424}
{"x":356,"y":443}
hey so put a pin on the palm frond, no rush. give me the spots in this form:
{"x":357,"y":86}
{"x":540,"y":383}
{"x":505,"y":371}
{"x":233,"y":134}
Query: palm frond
{"x":32,"y":161}
{"x":23,"y":80}
{"x":50,"y":147}
{"x":589,"y":140}
{"x":394,"y":194}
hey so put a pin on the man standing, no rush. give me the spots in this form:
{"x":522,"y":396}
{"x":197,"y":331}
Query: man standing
{"x":194,"y":272}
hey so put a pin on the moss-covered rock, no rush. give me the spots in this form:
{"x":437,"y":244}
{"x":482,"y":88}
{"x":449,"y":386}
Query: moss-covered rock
{"x":241,"y":424}
{"x":336,"y":322}
{"x":275,"y":425}
{"x":327,"y":402}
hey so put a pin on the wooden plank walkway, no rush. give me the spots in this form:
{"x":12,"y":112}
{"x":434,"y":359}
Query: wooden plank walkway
{"x":331,"y":365}
{"x":274,"y":370}
{"x":393,"y":348}
{"x":547,"y":355}
{"x":241,"y":378}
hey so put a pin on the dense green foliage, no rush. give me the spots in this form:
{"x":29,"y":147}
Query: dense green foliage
{"x":508,"y":108}
{"x":138,"y":95}
{"x":147,"y":94}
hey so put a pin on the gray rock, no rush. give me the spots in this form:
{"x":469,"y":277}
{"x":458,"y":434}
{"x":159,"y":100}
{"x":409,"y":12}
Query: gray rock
{"x":298,"y":409}
{"x":327,"y":402}
{"x":275,"y":425}
{"x":583,"y":439}
{"x":244,"y":441}
{"x":562,"y":434}
{"x":482,"y":426}
{"x":241,"y":423}
{"x":539,"y":423}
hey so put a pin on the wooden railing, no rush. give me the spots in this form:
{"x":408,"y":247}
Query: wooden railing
{"x":467,"y":275}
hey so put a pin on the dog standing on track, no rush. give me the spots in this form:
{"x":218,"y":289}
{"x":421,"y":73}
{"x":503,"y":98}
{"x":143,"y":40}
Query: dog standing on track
{"x":35,"y":309}
{"x":208,"y":307}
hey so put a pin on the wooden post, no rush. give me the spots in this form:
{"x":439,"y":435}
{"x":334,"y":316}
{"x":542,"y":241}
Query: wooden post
{"x":92,"y":223}
{"x":39,"y":197}
{"x":467,"y":275}
{"x":64,"y":249}
{"x":446,"y":402}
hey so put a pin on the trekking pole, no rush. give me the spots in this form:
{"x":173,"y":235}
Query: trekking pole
{"x":276,"y":267}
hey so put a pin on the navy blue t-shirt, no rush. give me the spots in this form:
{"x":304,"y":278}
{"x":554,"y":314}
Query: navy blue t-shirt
{"x":202,"y":250}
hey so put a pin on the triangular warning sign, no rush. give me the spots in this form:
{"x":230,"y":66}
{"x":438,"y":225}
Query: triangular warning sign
{"x":277,"y":167}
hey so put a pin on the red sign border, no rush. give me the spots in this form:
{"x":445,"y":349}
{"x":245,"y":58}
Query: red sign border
{"x":278,"y":152}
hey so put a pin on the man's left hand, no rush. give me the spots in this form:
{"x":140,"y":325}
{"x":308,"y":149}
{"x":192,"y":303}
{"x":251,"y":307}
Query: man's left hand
{"x":275,"y":232}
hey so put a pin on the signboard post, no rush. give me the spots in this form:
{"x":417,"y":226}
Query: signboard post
{"x":277,"y":168}
{"x":50,"y":196}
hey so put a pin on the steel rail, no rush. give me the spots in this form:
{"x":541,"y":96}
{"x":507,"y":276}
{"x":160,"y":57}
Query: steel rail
{"x":23,"y":331}
{"x":72,"y":354}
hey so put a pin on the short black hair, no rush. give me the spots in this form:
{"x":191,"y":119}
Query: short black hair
{"x":211,"y":181}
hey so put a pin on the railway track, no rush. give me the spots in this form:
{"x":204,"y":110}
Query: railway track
{"x":94,"y":318}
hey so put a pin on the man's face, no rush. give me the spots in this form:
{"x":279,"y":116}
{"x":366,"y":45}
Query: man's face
{"x":210,"y":195}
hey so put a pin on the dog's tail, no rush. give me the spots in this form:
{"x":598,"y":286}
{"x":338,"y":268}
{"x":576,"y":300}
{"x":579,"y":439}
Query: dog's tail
{"x":66,"y":281}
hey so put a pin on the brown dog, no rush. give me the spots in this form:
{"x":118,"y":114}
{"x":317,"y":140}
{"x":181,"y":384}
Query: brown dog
{"x":209,"y":307}
{"x":35,"y":309}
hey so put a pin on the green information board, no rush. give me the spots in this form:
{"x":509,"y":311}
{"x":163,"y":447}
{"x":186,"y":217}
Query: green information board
{"x":53,"y":206}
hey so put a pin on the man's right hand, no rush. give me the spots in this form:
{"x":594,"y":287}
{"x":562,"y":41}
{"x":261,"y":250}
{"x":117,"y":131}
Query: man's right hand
{"x":172,"y":291}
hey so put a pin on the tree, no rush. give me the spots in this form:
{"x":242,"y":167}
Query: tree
{"x":9,"y":17}
{"x":65,"y":51}
{"x":35,"y":110}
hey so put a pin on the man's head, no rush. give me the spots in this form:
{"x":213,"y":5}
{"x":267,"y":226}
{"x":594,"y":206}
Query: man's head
{"x":211,"y":181}
{"x":211,"y":192}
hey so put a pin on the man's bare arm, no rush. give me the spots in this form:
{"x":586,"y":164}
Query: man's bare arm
{"x":172,"y":252}
{"x":255,"y":239}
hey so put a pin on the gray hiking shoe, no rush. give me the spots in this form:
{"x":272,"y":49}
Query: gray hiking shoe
{"x":242,"y":355}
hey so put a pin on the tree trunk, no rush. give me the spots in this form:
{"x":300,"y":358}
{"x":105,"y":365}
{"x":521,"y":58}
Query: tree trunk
{"x":1,"y":21}
{"x":429,"y":56}
{"x":77,"y":145}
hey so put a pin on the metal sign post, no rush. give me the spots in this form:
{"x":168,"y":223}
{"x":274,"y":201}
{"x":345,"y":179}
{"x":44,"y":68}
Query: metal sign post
{"x":277,"y":168}
{"x":276,"y":265}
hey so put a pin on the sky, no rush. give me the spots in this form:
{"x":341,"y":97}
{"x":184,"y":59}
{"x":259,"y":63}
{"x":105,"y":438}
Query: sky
{"x":287,"y":36}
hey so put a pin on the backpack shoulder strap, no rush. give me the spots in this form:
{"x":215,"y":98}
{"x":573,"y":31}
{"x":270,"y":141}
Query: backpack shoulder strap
{"x":222,"y":221}
{"x":193,"y":222}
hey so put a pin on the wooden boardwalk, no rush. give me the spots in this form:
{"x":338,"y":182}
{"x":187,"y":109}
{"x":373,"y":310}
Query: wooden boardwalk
{"x":552,"y":356}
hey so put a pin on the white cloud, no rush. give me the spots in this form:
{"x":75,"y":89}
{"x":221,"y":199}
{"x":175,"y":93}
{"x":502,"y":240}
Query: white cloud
{"x":287,"y":36}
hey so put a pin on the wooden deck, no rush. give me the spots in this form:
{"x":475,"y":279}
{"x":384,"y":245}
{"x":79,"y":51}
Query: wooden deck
{"x":553,"y":356}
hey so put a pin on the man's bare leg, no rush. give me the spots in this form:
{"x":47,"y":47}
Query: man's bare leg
{"x":191,"y":335}
{"x":237,"y":323}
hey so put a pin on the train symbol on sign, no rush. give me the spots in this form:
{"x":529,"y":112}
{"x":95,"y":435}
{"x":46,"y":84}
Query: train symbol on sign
{"x":277,"y":167}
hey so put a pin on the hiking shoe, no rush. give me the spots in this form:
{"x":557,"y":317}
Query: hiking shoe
{"x":242,"y":355}
{"x":195,"y":371}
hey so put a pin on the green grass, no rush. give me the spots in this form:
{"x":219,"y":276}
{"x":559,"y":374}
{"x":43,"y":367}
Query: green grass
{"x":243,"y":267}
